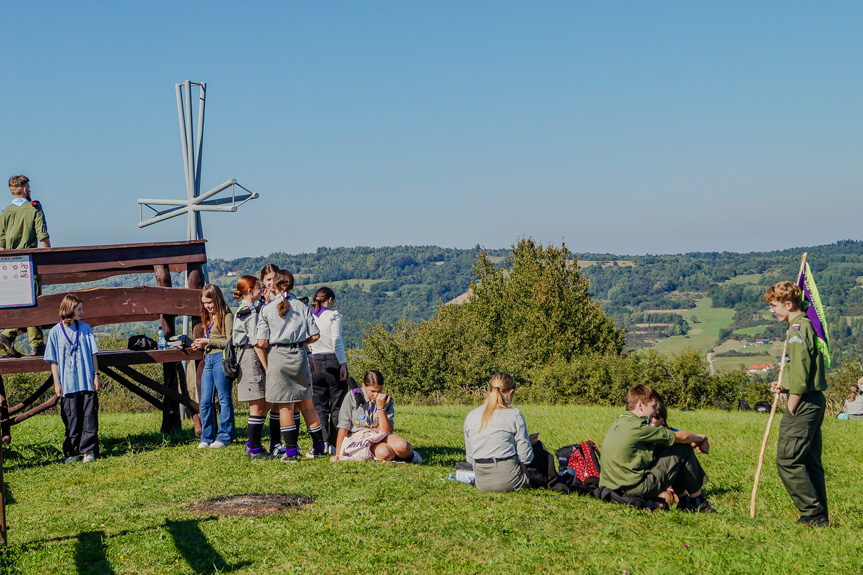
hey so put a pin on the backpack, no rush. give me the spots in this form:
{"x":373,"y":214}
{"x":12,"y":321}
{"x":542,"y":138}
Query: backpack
{"x":230,"y":358}
{"x":584,"y":462}
{"x":141,"y":343}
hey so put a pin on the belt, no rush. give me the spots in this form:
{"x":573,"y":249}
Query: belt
{"x":494,"y":459}
{"x":287,"y":345}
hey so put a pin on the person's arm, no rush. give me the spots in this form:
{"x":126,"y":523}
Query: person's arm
{"x":522,"y":440}
{"x":96,"y":384}
{"x":262,"y":356}
{"x":802,"y":349}
{"x":698,"y":441}
{"x":339,"y":346}
{"x":382,"y":402}
{"x":55,"y":373}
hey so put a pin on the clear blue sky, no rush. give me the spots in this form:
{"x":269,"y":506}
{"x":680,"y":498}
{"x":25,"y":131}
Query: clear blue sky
{"x":629,"y":127}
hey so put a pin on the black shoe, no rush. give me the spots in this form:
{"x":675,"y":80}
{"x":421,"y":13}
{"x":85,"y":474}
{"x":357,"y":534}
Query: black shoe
{"x":7,"y":344}
{"x":38,"y":350}
{"x":695,"y":505}
{"x":817,"y":520}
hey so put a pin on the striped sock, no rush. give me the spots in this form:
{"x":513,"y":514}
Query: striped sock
{"x":290,"y":435}
{"x":275,"y":429}
{"x":256,"y":426}
{"x":317,"y":434}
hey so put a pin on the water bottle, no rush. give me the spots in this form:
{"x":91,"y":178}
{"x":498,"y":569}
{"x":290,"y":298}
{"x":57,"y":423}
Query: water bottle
{"x":161,"y":338}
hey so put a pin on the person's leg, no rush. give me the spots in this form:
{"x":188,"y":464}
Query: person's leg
{"x":314,"y":427}
{"x":338,"y":390}
{"x":257,"y":409}
{"x":290,"y":432}
{"x":69,"y":416}
{"x":383,"y":452}
{"x":796,"y":438}
{"x":89,"y":423}
{"x":402,"y":450}
{"x":208,"y":390}
{"x":321,"y":393}
{"x":227,"y":433}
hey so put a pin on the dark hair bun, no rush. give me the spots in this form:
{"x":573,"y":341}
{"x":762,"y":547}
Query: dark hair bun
{"x":237,"y":294}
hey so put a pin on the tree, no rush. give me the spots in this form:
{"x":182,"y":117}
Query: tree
{"x":533,"y":311}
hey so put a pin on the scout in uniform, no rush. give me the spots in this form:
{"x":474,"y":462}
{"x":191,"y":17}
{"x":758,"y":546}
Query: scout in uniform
{"x":630,"y":467}
{"x":798,"y":454}
{"x":22,"y":226}
{"x":285,"y":328}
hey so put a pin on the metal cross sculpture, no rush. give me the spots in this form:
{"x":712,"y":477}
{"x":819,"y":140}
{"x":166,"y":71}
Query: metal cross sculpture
{"x":195,"y":202}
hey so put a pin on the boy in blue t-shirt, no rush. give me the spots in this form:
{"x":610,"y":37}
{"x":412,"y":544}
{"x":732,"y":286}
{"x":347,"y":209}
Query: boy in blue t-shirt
{"x":71,"y":351}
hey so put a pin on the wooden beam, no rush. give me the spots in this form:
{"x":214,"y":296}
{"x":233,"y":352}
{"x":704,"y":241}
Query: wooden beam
{"x":34,"y":396}
{"x":157,"y":387}
{"x":36,"y":410}
{"x":132,"y":387}
{"x":108,"y":303}
{"x":110,"y":357}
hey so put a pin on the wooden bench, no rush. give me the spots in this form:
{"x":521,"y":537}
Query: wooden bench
{"x":111,"y":306}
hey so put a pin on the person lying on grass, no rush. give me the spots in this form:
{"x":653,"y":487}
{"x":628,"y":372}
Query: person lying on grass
{"x":366,"y":426}
{"x":630,"y":467}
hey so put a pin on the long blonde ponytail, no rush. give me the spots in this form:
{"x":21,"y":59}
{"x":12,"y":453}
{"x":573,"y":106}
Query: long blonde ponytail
{"x":500,"y":383}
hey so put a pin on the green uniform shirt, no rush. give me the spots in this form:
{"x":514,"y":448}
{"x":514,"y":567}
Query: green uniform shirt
{"x":804,"y":365}
{"x":627,"y":450}
{"x":22,"y":225}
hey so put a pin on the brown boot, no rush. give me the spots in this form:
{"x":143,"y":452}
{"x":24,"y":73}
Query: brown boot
{"x":6,"y":344}
{"x":38,"y":349}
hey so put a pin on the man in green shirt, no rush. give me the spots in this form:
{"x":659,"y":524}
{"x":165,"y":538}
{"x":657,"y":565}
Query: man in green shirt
{"x":22,"y":225}
{"x":798,"y":454}
{"x":630,"y":468}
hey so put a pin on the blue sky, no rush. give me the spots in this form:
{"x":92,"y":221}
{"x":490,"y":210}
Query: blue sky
{"x":623,"y":127}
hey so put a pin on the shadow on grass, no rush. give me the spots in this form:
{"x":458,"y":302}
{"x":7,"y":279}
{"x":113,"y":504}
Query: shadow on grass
{"x":90,"y":553}
{"x":192,"y":544}
{"x":441,"y":455}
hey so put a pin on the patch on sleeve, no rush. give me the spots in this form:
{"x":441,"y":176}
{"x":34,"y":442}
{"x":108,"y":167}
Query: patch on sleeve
{"x":796,"y":326}
{"x":796,"y":339}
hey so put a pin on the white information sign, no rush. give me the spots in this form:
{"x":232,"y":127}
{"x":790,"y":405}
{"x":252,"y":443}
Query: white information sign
{"x":16,"y":282}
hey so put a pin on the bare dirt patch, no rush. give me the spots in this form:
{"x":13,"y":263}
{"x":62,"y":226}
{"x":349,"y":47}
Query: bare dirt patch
{"x":251,"y":504}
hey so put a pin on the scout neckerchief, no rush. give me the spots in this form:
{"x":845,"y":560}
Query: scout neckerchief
{"x":209,"y":327}
{"x":369,"y":407}
{"x":319,"y":311}
{"x":73,"y":346}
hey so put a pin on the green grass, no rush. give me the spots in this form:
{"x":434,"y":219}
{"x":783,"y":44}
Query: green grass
{"x":129,"y":511}
{"x":750,"y":330}
{"x":702,"y":335}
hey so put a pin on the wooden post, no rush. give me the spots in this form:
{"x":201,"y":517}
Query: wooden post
{"x":171,"y":422}
{"x":4,"y":414}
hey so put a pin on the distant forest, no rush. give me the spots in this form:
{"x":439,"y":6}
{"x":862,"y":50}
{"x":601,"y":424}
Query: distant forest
{"x":641,"y":293}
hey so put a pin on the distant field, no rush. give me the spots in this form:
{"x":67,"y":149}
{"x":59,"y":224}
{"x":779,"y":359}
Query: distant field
{"x":732,"y":363}
{"x":750,"y":330}
{"x":745,"y":279}
{"x":710,"y":321}
{"x":365,"y":284}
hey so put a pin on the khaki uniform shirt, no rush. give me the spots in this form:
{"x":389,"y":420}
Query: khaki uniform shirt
{"x":627,"y":450}
{"x":22,"y":225}
{"x":804,"y":364}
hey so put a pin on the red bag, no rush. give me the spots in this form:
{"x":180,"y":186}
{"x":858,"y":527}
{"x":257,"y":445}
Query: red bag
{"x":584,"y":462}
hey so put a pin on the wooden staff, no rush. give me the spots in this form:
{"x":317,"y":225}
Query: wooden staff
{"x":772,"y":412}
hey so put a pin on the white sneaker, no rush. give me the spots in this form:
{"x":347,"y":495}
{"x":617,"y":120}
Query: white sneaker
{"x":89,"y":458}
{"x":203,"y":445}
{"x":332,"y":449}
{"x":217,"y":444}
{"x":416,"y":457}
{"x":72,"y":459}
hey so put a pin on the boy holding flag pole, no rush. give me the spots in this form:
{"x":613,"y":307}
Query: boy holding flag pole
{"x":806,"y":356}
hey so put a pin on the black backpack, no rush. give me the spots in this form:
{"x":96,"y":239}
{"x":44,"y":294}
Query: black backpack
{"x":231,"y":360}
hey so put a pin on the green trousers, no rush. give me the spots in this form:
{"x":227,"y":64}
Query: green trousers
{"x":34,"y":334}
{"x":678,"y":467}
{"x":798,"y":455}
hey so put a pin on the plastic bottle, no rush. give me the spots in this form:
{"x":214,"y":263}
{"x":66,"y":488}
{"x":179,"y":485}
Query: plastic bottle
{"x":161,"y":339}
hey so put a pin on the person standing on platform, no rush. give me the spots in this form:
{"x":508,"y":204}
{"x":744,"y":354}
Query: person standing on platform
{"x":22,"y":226}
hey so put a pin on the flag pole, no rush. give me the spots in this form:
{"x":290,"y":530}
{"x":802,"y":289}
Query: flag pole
{"x":772,"y":411}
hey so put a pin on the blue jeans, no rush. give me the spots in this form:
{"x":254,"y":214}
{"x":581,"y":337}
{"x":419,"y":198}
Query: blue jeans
{"x":214,"y":382}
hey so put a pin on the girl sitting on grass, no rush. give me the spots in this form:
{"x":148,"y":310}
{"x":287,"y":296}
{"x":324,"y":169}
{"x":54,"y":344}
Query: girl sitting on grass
{"x":71,"y":351}
{"x":366,"y":426}
{"x":218,"y":324}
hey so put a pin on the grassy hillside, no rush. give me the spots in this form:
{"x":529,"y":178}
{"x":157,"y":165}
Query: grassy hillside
{"x":131,"y":511}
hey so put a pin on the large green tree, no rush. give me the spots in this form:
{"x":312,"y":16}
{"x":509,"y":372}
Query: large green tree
{"x":530,"y":312}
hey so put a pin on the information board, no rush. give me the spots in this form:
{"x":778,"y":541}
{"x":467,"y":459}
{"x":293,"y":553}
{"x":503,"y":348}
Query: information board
{"x":16,"y":282}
